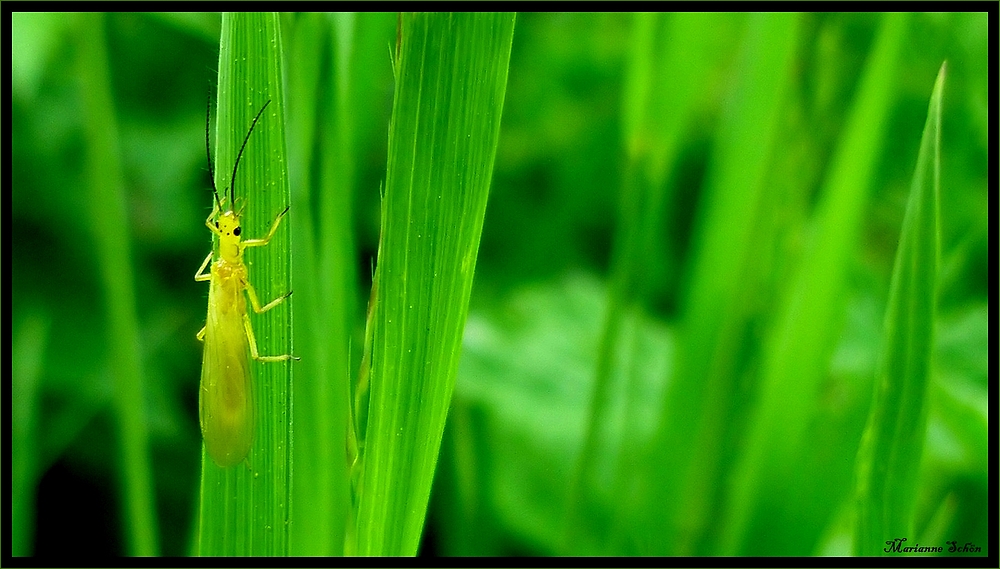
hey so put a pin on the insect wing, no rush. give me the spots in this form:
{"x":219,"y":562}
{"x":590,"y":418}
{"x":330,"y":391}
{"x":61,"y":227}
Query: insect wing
{"x":226,"y":398}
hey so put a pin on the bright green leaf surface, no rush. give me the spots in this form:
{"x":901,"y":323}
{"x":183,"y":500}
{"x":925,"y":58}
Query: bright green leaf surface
{"x":889,"y":459}
{"x":451,"y":76}
{"x":245,"y":509}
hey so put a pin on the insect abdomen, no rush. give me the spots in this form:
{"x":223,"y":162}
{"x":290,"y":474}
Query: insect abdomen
{"x":226,"y":398}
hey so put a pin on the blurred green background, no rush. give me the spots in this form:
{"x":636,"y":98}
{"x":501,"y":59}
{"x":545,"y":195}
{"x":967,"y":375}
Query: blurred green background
{"x":520,"y":411}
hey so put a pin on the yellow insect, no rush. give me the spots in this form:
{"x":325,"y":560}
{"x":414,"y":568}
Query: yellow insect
{"x":225,"y":402}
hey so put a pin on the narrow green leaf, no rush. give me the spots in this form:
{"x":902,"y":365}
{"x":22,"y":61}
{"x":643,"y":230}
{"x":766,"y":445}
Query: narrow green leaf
{"x":451,"y":76}
{"x":110,"y":228}
{"x":705,"y":391}
{"x":245,"y":509}
{"x":324,"y":280}
{"x":668,"y":63}
{"x":889,"y":458}
{"x":811,"y":309}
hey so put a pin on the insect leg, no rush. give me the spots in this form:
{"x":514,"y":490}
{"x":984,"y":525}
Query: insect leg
{"x":253,"y":345}
{"x":270,"y":234}
{"x":210,"y":220}
{"x":201,"y":335}
{"x":201,"y":275}
{"x":255,"y":303}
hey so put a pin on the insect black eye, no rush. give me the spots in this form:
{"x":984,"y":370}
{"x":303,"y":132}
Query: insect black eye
{"x":236,"y":231}
{"x":216,"y":224}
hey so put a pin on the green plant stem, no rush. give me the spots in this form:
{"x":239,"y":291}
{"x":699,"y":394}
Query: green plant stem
{"x":110,"y":226}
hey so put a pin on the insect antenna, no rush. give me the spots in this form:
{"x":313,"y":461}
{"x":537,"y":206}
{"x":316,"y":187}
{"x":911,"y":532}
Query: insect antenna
{"x":232,"y":181}
{"x":208,"y":149}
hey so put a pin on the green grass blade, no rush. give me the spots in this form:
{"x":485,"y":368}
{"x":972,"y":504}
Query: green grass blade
{"x":451,"y":75}
{"x":110,"y":227}
{"x":705,"y":389}
{"x":313,"y":530}
{"x":667,"y":68}
{"x":325,"y":279}
{"x":889,"y":459}
{"x":245,"y":509}
{"x":811,"y":310}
